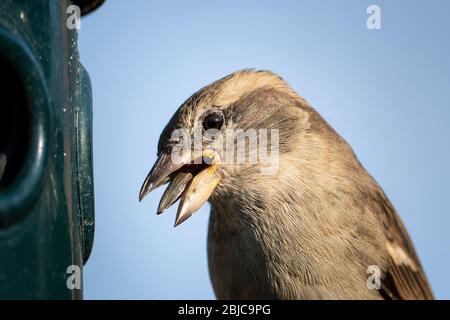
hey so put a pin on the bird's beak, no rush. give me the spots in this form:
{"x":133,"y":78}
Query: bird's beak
{"x":193,"y":182}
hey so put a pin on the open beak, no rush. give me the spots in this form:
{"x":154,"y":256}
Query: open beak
{"x":193,"y":183}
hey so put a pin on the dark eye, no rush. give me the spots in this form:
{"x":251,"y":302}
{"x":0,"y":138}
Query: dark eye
{"x":213,"y":121}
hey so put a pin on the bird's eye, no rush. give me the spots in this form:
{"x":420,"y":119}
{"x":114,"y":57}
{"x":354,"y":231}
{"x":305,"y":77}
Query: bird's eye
{"x":213,"y":121}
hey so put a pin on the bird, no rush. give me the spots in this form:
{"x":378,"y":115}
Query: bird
{"x":312,"y":229}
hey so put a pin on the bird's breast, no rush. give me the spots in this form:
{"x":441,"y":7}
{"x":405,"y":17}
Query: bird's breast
{"x":266,"y":260}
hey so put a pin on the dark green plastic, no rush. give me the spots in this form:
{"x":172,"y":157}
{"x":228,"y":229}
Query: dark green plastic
{"x":46,"y":195}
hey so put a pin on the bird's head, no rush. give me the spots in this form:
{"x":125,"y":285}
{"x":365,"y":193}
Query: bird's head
{"x":233,"y":130}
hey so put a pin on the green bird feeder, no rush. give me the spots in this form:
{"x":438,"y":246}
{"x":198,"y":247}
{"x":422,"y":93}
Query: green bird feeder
{"x":46,"y":174}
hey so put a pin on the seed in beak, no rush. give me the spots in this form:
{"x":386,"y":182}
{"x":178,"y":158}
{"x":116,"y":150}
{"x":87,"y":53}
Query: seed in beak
{"x":198,"y":192}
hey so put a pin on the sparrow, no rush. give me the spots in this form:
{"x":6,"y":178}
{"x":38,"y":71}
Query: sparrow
{"x":316,"y":226}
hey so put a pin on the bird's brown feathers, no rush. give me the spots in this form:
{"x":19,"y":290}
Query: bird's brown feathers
{"x":310,"y":231}
{"x":404,"y":278}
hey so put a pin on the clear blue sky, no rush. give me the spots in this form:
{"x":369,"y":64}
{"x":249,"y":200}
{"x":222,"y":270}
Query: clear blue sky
{"x":386,"y":92}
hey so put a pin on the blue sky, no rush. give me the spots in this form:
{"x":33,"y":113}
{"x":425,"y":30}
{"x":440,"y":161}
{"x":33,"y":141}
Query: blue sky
{"x":385,"y":91}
